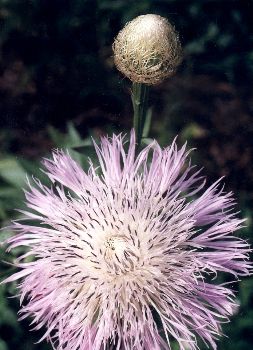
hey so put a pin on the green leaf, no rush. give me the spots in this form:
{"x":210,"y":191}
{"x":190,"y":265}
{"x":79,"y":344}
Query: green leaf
{"x":147,"y":124}
{"x":73,"y":135}
{"x":63,"y":140}
{"x":3,"y":345}
{"x":246,"y":291}
{"x":12,"y":172}
{"x":146,"y":141}
{"x":9,"y":192}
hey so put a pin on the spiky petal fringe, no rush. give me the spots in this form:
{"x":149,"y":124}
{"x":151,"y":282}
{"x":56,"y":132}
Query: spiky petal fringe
{"x":127,"y":252}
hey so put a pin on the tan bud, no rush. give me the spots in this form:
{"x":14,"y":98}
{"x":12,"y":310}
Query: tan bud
{"x":147,"y":50}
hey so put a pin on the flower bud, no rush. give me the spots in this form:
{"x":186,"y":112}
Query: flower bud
{"x":147,"y":50}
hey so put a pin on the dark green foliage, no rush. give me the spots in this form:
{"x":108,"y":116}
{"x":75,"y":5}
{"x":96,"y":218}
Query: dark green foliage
{"x":58,"y":87}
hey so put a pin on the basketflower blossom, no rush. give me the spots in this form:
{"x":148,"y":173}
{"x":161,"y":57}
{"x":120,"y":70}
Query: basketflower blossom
{"x":125,"y":255}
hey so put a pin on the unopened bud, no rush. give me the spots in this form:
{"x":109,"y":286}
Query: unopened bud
{"x":147,"y":50}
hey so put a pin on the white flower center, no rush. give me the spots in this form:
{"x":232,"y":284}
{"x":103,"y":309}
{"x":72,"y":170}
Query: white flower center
{"x":120,"y":254}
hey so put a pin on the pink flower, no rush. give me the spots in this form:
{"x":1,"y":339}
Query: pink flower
{"x":127,"y":251}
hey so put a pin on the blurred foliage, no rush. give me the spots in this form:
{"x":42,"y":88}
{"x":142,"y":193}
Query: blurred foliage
{"x":58,"y":87}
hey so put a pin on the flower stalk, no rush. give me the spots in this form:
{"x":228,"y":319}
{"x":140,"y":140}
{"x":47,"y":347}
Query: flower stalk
{"x":147,"y":51}
{"x":140,"y":94}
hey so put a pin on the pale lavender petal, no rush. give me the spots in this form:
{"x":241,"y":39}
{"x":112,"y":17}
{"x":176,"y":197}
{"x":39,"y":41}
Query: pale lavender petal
{"x":125,"y":256}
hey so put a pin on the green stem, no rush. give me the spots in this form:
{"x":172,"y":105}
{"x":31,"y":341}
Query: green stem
{"x":139,"y":100}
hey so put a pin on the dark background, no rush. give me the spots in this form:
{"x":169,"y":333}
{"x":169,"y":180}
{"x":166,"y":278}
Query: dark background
{"x":58,"y":86}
